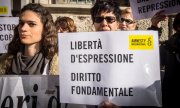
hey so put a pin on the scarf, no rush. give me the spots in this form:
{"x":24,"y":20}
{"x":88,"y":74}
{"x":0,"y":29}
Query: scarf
{"x":24,"y":65}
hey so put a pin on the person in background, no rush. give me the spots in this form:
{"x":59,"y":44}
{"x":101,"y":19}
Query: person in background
{"x":33,"y":49}
{"x":65,"y":24}
{"x":105,"y":16}
{"x":127,"y":21}
{"x":170,"y":59}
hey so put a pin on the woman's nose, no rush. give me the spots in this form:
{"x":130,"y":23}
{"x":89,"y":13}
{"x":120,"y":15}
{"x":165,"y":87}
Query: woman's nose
{"x":123,"y":22}
{"x":24,"y":27}
{"x":104,"y":22}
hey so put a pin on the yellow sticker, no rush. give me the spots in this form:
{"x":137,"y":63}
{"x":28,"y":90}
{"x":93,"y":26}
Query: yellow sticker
{"x":3,"y":10}
{"x":141,"y":42}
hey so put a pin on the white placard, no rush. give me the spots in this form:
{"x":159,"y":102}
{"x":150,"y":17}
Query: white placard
{"x":37,"y":91}
{"x":119,"y":66}
{"x":7,"y":25}
{"x":5,"y":8}
{"x":148,"y":8}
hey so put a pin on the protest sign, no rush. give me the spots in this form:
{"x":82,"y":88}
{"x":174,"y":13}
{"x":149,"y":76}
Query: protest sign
{"x":5,"y":8}
{"x":31,"y":91}
{"x":37,"y":91}
{"x":142,"y":9}
{"x":7,"y":25}
{"x":119,"y":66}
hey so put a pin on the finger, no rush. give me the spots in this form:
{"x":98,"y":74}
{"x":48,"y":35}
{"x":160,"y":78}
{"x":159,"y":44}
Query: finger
{"x":109,"y":104}
{"x":160,"y":17}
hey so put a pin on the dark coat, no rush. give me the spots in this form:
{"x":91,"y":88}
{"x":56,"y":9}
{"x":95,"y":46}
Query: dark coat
{"x":170,"y":59}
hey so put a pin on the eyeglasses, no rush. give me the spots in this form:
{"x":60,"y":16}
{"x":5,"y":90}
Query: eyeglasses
{"x":109,"y":19}
{"x":128,"y":21}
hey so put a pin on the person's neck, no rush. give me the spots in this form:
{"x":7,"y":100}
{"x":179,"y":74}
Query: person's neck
{"x":31,"y":50}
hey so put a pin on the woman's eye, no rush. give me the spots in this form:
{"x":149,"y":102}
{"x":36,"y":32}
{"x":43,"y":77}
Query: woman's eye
{"x":21,"y":23}
{"x":32,"y":24}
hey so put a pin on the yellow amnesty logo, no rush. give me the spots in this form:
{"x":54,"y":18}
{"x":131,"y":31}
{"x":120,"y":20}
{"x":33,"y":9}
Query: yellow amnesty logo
{"x":141,"y":42}
{"x":3,"y":10}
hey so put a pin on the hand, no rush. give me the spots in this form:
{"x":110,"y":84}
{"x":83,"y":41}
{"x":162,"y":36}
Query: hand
{"x":108,"y":104}
{"x":159,"y":16}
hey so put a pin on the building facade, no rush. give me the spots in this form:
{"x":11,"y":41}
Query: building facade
{"x":79,"y":11}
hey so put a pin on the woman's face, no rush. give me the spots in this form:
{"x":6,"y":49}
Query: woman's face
{"x":30,"y":28}
{"x":127,"y":22}
{"x":106,"y":22}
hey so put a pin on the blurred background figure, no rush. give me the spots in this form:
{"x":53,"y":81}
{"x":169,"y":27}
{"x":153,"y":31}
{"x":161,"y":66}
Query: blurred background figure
{"x":170,"y":59}
{"x":65,"y":24}
{"x":127,"y":21}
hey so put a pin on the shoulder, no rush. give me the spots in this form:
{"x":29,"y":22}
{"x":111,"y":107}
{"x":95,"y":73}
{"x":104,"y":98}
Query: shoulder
{"x":3,"y":58}
{"x":2,"y":64}
{"x":54,"y":70}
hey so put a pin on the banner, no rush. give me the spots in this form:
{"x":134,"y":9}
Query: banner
{"x":7,"y":25}
{"x":37,"y":91}
{"x":5,"y":8}
{"x":119,"y":66}
{"x":31,"y":91}
{"x":148,"y":8}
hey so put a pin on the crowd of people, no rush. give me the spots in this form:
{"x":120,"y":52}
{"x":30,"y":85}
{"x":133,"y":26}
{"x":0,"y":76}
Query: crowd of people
{"x":34,"y":47}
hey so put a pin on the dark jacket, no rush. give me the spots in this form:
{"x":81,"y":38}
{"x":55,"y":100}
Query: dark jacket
{"x":170,"y":59}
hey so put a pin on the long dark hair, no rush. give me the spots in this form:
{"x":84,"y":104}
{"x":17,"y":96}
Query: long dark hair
{"x":49,"y":42}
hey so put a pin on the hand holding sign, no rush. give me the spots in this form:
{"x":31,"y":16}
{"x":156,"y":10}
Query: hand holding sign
{"x":97,"y":75}
{"x":108,"y":104}
{"x":159,"y":16}
{"x":143,"y":9}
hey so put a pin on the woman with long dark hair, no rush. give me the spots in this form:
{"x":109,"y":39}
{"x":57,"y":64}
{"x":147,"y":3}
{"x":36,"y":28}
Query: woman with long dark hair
{"x":33,"y":49}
